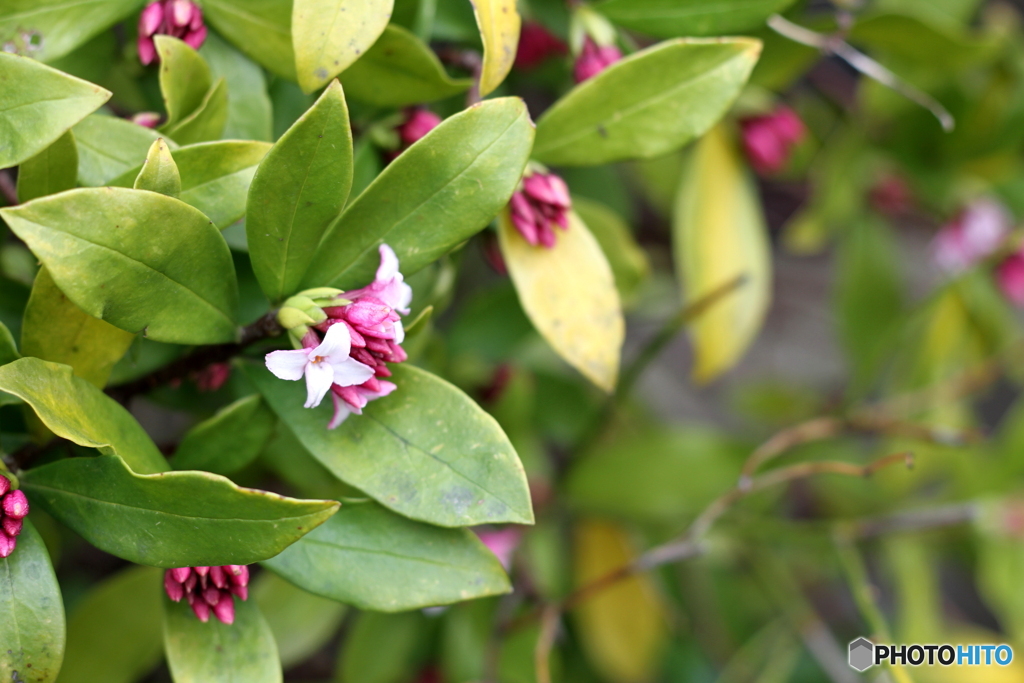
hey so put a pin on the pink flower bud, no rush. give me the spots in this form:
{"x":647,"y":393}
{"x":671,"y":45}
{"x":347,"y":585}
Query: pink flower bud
{"x":196,"y":37}
{"x":180,"y":574}
{"x":5,"y":485}
{"x":537,"y":45}
{"x":418,"y":123}
{"x":224,"y":610}
{"x":150,"y":19}
{"x":179,"y":18}
{"x":218,"y":577}
{"x":594,"y":59}
{"x":201,"y":571}
{"x":7,"y":544}
{"x":1010,"y":278}
{"x":211,"y":594}
{"x":179,"y":13}
{"x":147,"y":119}
{"x":15,"y":505}
{"x":542,"y":204}
{"x":769,"y":140}
{"x":502,"y":543}
{"x":11,"y":526}
{"x":241,"y":591}
{"x":175,"y":591}
{"x":147,"y":50}
{"x":199,"y":608}
{"x":238,"y":574}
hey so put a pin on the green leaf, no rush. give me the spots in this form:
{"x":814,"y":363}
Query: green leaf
{"x":719,"y":234}
{"x":207,"y":121}
{"x":76,"y":410}
{"x":159,"y":172}
{"x":682,"y":470}
{"x":250,"y":115}
{"x":184,"y":78}
{"x":628,"y":261}
{"x":214,"y":652}
{"x":31,"y":613}
{"x":568,"y":292}
{"x":370,"y":557}
{"x":140,"y":260}
{"x":650,"y":103}
{"x":109,"y":146}
{"x":128,"y":644}
{"x":261,"y":29}
{"x":437,"y":194}
{"x":8,"y":349}
{"x":40,"y":104}
{"x":56,"y":27}
{"x":383,"y":648}
{"x":300,"y":187}
{"x":302,"y":623}
{"x":398,"y":71}
{"x":328,"y":35}
{"x":173,"y":519}
{"x":672,"y":18}
{"x":427,"y":451}
{"x":53,"y":170}
{"x":229,"y":440}
{"x":90,"y":346}
{"x":499,"y":23}
{"x":215,"y":176}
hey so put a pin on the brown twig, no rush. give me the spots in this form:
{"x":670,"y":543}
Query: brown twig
{"x":8,"y":188}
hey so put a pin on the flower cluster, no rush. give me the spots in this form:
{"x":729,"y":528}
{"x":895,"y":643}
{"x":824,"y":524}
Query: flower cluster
{"x":541,"y":202}
{"x":593,"y":59}
{"x":209,"y":589}
{"x":974,"y":234}
{"x":362,"y":333}
{"x":13,"y":509}
{"x":179,"y":18}
{"x":536,"y":46}
{"x":769,"y":140}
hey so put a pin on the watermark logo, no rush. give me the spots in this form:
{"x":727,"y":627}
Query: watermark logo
{"x":864,"y":654}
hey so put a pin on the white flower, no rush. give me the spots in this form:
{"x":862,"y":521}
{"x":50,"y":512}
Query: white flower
{"x":327,"y":364}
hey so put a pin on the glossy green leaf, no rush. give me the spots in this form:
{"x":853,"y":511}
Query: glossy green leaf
{"x":53,"y":170}
{"x":140,"y":260}
{"x":370,"y":557}
{"x":129,"y":643}
{"x":300,"y":187}
{"x":215,"y":177}
{"x":383,"y":648}
{"x":76,"y":410}
{"x":328,"y":35}
{"x":672,"y":18}
{"x":216,"y":653}
{"x":259,"y":28}
{"x":56,"y":27}
{"x":159,"y":172}
{"x":301,"y":622}
{"x":398,"y":71}
{"x":719,"y":235}
{"x":650,"y":103}
{"x":427,"y":451}
{"x":569,"y":294}
{"x":681,"y":471}
{"x":628,"y":261}
{"x":39,"y":105}
{"x":250,"y":115}
{"x":207,"y":122}
{"x":437,"y":194}
{"x":8,"y":349}
{"x":173,"y":519}
{"x":184,"y":78}
{"x":31,"y":613}
{"x":499,"y":23}
{"x":89,"y":345}
{"x":109,"y":146}
{"x":229,"y":440}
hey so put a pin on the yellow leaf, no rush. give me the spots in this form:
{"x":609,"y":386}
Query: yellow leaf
{"x":569,"y":294}
{"x":623,"y":628}
{"x":719,"y":234}
{"x":328,"y":35}
{"x":499,"y":24}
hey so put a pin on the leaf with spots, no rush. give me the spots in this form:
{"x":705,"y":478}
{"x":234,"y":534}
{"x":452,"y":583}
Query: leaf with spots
{"x":499,"y":24}
{"x":427,"y":451}
{"x":31,"y":613}
{"x":328,"y":35}
{"x":173,"y":519}
{"x":371,"y":558}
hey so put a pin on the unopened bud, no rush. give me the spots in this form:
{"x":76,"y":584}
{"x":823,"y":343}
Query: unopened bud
{"x":15,"y":505}
{"x":12,"y":527}
{"x":5,"y":485}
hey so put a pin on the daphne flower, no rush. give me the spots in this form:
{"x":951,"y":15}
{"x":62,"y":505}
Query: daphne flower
{"x":179,"y":18}
{"x":976,"y":233}
{"x":593,"y":59}
{"x":542,"y":203}
{"x":326,"y":364}
{"x":209,"y":589}
{"x":13,"y":509}
{"x":388,"y":285}
{"x":769,"y":140}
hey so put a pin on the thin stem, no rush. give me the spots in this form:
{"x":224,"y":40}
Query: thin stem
{"x":545,"y":642}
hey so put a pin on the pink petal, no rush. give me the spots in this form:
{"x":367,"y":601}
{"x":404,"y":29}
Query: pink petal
{"x":388,"y":267}
{"x":341,"y":412}
{"x":288,"y":365}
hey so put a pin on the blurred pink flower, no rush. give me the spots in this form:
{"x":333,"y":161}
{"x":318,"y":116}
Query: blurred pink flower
{"x":594,"y":59}
{"x":537,"y":45}
{"x":179,"y":18}
{"x":975,"y":233}
{"x":502,"y":543}
{"x":209,"y":589}
{"x":768,"y":140}
{"x":541,"y":203}
{"x":418,"y":122}
{"x":146,"y":119}
{"x":1010,"y":278}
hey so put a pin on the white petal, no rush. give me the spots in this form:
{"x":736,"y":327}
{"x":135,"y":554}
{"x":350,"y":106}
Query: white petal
{"x":399,"y":332}
{"x":350,"y":372}
{"x":388,"y":264}
{"x":319,"y":377}
{"x":341,"y":412}
{"x":336,"y":345}
{"x":287,"y":364}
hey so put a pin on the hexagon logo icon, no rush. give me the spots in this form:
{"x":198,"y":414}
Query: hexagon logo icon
{"x":862,"y":654}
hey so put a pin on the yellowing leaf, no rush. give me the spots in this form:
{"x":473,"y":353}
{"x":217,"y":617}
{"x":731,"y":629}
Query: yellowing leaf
{"x":623,"y":628}
{"x":569,"y":294}
{"x":719,"y":234}
{"x":499,"y":24}
{"x":328,"y":35}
